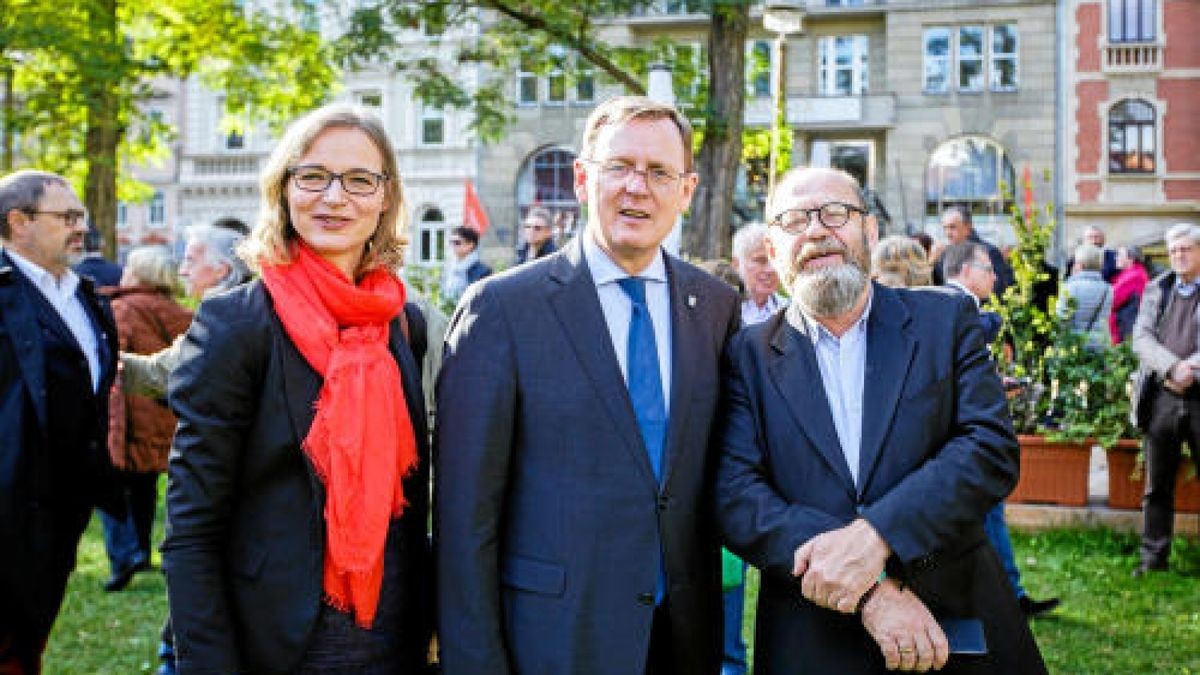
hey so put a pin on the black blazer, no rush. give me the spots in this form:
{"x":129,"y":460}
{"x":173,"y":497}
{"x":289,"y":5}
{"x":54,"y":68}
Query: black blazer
{"x":937,"y":452}
{"x":549,"y":521}
{"x":245,"y":531}
{"x":45,"y":502}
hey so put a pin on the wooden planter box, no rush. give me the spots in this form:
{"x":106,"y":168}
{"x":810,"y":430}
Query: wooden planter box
{"x":1052,"y":473}
{"x":1125,"y":490}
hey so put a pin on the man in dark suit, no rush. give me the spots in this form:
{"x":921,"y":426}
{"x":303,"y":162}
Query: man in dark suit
{"x":958,"y":227}
{"x":57,"y":361}
{"x":572,"y":525}
{"x":969,"y":271}
{"x":864,"y":437}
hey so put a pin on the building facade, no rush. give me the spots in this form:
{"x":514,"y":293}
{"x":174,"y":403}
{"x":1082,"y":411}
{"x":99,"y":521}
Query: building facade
{"x":1131,"y":119}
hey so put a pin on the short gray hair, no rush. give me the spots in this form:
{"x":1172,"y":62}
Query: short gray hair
{"x":22,"y":190}
{"x":1089,"y":257}
{"x":749,"y":237}
{"x":1179,"y":231}
{"x":957,"y":256}
{"x":220,"y":246}
{"x":153,"y":266}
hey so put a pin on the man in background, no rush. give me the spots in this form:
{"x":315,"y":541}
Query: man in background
{"x":58,"y":348}
{"x":538,"y":227}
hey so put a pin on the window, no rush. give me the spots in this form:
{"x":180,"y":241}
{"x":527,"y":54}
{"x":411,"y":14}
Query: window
{"x":309,"y":19}
{"x":937,"y":60}
{"x":548,"y":180}
{"x":970,"y":58}
{"x":689,"y":63}
{"x":432,"y":229}
{"x":1132,"y":137}
{"x":433,"y":126}
{"x":122,"y":215}
{"x":527,"y":82}
{"x":369,"y":98}
{"x":758,"y":69}
{"x":981,"y":56}
{"x":972,"y":171}
{"x":158,"y":209}
{"x":233,"y":139}
{"x":585,"y":84}
{"x":843,"y":62}
{"x":1004,"y":58}
{"x":1132,"y":20}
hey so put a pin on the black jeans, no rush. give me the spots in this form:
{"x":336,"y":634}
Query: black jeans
{"x":1174,"y":421}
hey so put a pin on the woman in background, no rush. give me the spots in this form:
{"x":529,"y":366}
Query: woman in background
{"x":298,"y":489}
{"x":901,"y":262}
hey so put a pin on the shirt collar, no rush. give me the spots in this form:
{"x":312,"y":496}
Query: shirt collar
{"x":605,"y":271}
{"x":963,"y":289}
{"x":816,"y":331}
{"x":1186,"y":290}
{"x":65,"y":285}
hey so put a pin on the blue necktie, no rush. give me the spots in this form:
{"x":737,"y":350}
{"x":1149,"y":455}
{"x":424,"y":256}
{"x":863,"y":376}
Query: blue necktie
{"x":643,"y":377}
{"x":646,"y":393}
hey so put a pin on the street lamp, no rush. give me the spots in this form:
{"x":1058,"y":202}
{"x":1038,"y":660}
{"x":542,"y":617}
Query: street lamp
{"x":782,"y":17}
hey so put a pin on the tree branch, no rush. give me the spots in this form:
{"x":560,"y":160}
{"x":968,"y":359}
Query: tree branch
{"x":581,"y":46}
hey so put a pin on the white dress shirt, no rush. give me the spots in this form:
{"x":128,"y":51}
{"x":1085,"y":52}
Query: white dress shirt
{"x":752,"y":313}
{"x":60,"y":292}
{"x":618,"y":308}
{"x":843,"y":364}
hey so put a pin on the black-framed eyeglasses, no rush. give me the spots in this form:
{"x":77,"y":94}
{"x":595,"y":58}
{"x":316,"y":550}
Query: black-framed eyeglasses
{"x":71,"y":217}
{"x":359,"y":182}
{"x":617,"y":171}
{"x":830,"y":214}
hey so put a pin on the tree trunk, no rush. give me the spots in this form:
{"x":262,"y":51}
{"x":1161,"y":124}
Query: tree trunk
{"x":707,"y":234}
{"x":103,"y":135}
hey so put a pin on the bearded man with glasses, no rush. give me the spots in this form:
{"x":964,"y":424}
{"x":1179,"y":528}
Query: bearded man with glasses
{"x":57,"y":361}
{"x":865,"y":437}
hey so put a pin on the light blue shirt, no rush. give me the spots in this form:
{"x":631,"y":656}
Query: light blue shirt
{"x":60,"y":293}
{"x":752,"y":313}
{"x":843,"y":364}
{"x":618,"y":308}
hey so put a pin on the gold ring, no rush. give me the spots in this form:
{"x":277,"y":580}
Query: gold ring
{"x":907,"y":651}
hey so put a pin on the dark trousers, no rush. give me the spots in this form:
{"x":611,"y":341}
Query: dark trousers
{"x":1174,"y":421}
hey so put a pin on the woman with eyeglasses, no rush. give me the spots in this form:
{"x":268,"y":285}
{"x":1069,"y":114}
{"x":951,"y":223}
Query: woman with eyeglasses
{"x":298,"y":480}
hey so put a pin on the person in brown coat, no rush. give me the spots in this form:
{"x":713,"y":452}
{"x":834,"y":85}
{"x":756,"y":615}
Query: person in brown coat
{"x":140,"y":428}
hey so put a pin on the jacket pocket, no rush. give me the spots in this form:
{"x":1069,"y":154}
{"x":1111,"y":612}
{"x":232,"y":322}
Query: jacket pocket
{"x":531,"y":575}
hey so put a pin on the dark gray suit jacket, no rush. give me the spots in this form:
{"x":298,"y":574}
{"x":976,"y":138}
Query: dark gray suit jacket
{"x":548,"y":520}
{"x":245,"y":526}
{"x":937,"y":452}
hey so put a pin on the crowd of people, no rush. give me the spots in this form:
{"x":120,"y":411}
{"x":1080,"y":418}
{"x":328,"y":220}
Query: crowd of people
{"x":608,"y":416}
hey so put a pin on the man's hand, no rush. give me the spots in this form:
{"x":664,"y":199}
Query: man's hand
{"x":837,"y":567}
{"x":905,"y":631}
{"x":1180,"y":377}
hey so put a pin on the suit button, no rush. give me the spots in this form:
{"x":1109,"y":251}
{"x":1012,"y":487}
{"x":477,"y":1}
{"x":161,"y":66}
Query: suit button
{"x":646,"y":598}
{"x":663,"y":502}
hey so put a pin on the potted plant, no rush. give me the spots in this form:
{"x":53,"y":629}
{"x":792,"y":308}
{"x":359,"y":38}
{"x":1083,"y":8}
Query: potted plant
{"x":1037,"y":349}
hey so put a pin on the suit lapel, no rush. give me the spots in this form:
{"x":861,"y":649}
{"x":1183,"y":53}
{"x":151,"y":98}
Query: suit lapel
{"x":797,"y":377}
{"x":577,"y":308}
{"x":105,"y":328}
{"x":688,"y":334}
{"x":22,"y":325}
{"x":890,"y":351}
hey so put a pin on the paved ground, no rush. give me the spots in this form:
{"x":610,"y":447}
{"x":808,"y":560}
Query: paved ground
{"x":1096,"y":513}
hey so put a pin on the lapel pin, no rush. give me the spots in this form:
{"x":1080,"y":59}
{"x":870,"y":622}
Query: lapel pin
{"x":691,"y":301}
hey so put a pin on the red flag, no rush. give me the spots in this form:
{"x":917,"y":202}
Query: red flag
{"x":1027,"y":182}
{"x":474,"y":216}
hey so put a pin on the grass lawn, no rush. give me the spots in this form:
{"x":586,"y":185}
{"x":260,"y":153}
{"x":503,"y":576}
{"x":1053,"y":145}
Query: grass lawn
{"x":1108,"y":623}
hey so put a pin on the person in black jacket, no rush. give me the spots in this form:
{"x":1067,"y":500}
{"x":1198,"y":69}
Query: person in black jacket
{"x":957,"y":226}
{"x":298,"y":490}
{"x":58,"y":349}
{"x":465,"y":268}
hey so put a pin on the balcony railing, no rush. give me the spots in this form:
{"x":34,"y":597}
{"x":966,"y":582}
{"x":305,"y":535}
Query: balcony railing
{"x":804,"y":111}
{"x":219,"y":168}
{"x":1137,"y":57}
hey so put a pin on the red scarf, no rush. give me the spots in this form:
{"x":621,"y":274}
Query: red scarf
{"x":361,"y":442}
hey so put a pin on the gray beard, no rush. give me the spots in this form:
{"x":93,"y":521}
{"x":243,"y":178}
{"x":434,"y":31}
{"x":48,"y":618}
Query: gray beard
{"x":829,"y":292}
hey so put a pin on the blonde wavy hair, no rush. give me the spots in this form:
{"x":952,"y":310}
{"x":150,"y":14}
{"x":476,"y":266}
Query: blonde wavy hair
{"x":270,"y":241}
{"x":900,"y":262}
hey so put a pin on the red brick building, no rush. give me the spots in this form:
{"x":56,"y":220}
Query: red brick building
{"x":1131,"y":118}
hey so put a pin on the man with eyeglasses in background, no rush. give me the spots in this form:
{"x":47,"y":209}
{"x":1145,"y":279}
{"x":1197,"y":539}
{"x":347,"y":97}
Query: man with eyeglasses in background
{"x":957,"y":226}
{"x":57,"y":361}
{"x":573,"y":521}
{"x":865,"y":437}
{"x":538,"y":227}
{"x":464,"y":267}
